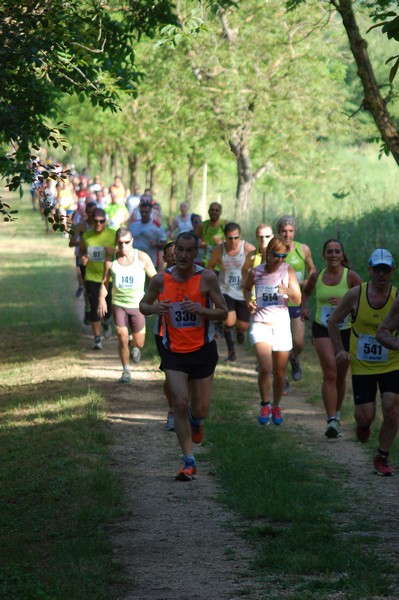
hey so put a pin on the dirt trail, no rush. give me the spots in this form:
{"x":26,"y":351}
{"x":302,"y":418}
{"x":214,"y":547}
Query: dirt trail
{"x":177,"y":542}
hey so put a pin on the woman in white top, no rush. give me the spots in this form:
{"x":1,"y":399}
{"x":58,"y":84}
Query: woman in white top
{"x":275,"y":283}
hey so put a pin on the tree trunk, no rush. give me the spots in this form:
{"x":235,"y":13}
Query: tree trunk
{"x":173,"y":193}
{"x":192,"y":171}
{"x":373,"y":101}
{"x":134,"y":163}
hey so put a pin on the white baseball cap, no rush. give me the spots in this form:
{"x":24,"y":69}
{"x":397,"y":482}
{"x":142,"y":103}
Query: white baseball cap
{"x":381,"y":256}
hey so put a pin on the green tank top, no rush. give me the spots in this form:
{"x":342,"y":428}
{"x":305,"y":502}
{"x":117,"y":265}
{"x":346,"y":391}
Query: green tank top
{"x":207,"y":236}
{"x":296,"y":259}
{"x":323,"y":292}
{"x":369,"y":357}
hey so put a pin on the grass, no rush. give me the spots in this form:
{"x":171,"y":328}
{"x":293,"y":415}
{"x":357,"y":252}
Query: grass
{"x":57,"y":489}
{"x":294,"y":504}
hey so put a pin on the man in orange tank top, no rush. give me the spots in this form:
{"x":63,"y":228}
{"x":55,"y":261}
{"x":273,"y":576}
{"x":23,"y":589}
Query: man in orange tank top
{"x":188,"y":298}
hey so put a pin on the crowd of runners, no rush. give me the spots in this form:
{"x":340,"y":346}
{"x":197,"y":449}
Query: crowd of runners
{"x":202,"y":281}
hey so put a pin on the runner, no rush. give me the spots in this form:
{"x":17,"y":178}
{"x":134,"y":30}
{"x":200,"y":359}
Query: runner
{"x":300,"y":259}
{"x":95,"y":246}
{"x":128,"y":271}
{"x":148,"y":236}
{"x":211,"y":231}
{"x":372,"y":364}
{"x":275,"y":283}
{"x":231,"y":255}
{"x":181,"y":223}
{"x":331,"y":284}
{"x":189,"y":298}
{"x":264,"y":234}
{"x":169,"y":261}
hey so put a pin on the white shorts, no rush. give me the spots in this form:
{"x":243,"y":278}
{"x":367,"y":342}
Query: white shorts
{"x":278,"y":337}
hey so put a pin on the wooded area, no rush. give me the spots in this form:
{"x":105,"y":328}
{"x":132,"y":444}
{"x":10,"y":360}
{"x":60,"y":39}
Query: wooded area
{"x":164,"y":87}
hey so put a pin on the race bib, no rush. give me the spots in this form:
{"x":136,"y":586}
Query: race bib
{"x":267,"y":295}
{"x":234,"y":279}
{"x":299,"y":276}
{"x":181,"y":319}
{"x":124,"y":282}
{"x":370,"y":350}
{"x":326,"y":312}
{"x":96,"y":253}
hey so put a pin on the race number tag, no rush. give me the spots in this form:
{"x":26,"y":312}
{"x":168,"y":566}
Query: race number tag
{"x":299,"y":276}
{"x":181,"y":319}
{"x":124,"y":282}
{"x":326,"y":312}
{"x":234,"y":279}
{"x":96,"y":253}
{"x":370,"y":350}
{"x":267,"y":295}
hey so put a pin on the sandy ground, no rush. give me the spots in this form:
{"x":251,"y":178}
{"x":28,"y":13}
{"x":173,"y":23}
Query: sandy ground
{"x":177,"y":541}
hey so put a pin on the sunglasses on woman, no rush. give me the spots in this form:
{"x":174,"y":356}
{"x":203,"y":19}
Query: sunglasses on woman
{"x":279,"y":254}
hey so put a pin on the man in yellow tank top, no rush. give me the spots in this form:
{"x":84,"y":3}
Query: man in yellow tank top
{"x":373,"y":364}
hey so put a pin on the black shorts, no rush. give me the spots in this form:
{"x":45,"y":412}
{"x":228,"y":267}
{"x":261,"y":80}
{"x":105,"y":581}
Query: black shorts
{"x":295,"y":312}
{"x":197,"y":365}
{"x":93,"y":295}
{"x":319,"y":331}
{"x":239,"y":307}
{"x":365,"y":386}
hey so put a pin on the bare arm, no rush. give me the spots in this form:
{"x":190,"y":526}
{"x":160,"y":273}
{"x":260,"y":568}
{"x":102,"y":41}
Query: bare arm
{"x":247,"y":266}
{"x":102,"y":302}
{"x":247,"y":290}
{"x":210,"y":285}
{"x":216,"y":258}
{"x":147,"y":264}
{"x":293,"y":291}
{"x":306,"y":293}
{"x":149,"y":304}
{"x":344,"y":308}
{"x":385,"y":333}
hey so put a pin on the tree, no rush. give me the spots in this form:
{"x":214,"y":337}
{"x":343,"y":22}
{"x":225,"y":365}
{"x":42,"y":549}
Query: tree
{"x":52,"y":47}
{"x":373,"y":102}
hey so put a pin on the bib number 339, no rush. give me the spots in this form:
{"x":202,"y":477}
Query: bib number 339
{"x":181,"y":318}
{"x":370,"y":350}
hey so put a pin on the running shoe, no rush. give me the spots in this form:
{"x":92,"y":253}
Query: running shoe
{"x":197,"y":430}
{"x":79,"y":292}
{"x":135,"y":354}
{"x":277,"y":419}
{"x":363,"y":433}
{"x":296,"y":371}
{"x":333,"y":430}
{"x":381,"y":466}
{"x":187,"y":471}
{"x":241,"y":337}
{"x":126,"y":377}
{"x":286,"y":387}
{"x":232,"y":357}
{"x":170,"y":422}
{"x":107,"y":329}
{"x":98,"y":345}
{"x":264,"y":415}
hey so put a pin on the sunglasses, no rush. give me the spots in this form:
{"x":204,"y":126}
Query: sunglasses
{"x":99,"y":220}
{"x":233,"y":237}
{"x":279,"y":254}
{"x":383,"y":268}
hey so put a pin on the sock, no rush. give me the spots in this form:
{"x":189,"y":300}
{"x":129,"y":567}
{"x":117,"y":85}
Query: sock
{"x":265,"y":403}
{"x":189,"y":458}
{"x":331,"y":419}
{"x":194,"y":420}
{"x":381,"y":453}
{"x":228,"y":336}
{"x":126,"y":368}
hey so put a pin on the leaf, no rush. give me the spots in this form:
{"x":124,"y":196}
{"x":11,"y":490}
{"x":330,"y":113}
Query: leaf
{"x":393,"y":71}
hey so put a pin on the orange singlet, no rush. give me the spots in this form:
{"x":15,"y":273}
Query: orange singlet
{"x":184,"y":331}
